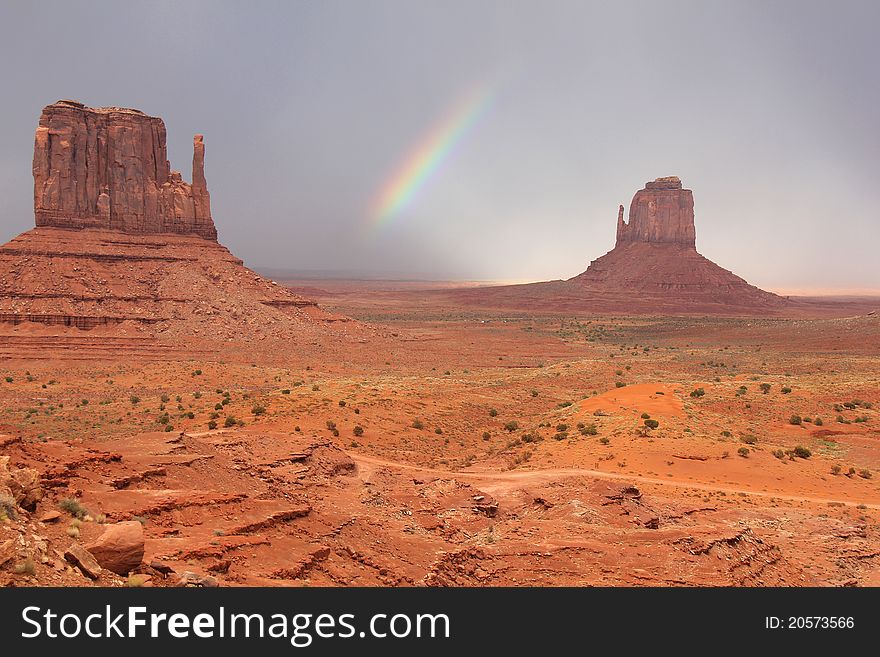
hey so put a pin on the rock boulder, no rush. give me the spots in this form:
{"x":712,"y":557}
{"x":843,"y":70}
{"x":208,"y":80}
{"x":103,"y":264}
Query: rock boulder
{"x":120,"y":548}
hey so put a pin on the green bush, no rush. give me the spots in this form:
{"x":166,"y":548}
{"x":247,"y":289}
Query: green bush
{"x":493,"y":412}
{"x":258,"y":410}
{"x":699,"y":392}
{"x":794,"y":419}
{"x":652,"y":424}
{"x":73,"y":507}
{"x":230,"y":421}
{"x":512,"y":426}
{"x":358,"y":430}
{"x":418,"y":424}
{"x":802,"y":452}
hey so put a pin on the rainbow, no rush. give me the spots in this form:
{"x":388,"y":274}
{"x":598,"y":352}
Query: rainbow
{"x":424,"y":160}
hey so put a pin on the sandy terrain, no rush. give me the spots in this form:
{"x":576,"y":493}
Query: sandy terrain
{"x":449,"y":445}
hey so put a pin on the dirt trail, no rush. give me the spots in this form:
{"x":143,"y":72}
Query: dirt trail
{"x":502,"y":482}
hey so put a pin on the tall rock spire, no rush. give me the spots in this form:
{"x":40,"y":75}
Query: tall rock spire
{"x":108,"y":168}
{"x":662,"y":212}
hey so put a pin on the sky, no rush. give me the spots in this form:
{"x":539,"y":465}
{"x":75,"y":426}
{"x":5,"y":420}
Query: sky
{"x":482,"y":139}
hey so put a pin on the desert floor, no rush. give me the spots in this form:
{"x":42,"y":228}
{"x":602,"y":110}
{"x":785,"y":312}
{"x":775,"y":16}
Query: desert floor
{"x":458,"y":446}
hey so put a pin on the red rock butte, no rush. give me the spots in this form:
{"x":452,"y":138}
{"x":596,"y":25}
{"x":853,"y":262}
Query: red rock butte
{"x":107,"y":167}
{"x":654,"y":267}
{"x":123,"y":245}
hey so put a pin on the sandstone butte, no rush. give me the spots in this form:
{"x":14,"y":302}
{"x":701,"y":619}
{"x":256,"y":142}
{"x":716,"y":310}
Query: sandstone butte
{"x":124,"y":245}
{"x":654,"y":267}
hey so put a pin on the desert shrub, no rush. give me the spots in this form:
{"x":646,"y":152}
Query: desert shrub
{"x":9,"y":379}
{"x":865,"y":474}
{"x":197,"y":372}
{"x":486,"y":435}
{"x":743,"y":451}
{"x":73,"y":531}
{"x":645,"y":416}
{"x":342,"y":403}
{"x":564,"y":404}
{"x":786,"y":390}
{"x":532,"y":437}
{"x":778,"y":453}
{"x":26,"y":567}
{"x":165,"y":398}
{"x":619,"y":384}
{"x":699,"y":392}
{"x":765,"y":388}
{"x":802,"y":452}
{"x":862,"y":418}
{"x":212,"y":424}
{"x":258,"y":410}
{"x":331,"y":425}
{"x":358,"y":430}
{"x":534,"y":393}
{"x":438,"y":431}
{"x":562,"y":427}
{"x":169,"y":427}
{"x":286,"y":391}
{"x":818,"y":422}
{"x":134,"y":399}
{"x":197,"y":395}
{"x":835,"y":469}
{"x":218,"y":406}
{"x":8,"y":507}
{"x":73,"y":507}
{"x":794,"y":419}
{"x":493,"y":412}
{"x":512,"y":426}
{"x":604,"y":440}
{"x":589,"y":430}
{"x":560,"y":435}
{"x":418,"y":424}
{"x":749,"y":440}
{"x":652,"y":424}
{"x":230,"y":421}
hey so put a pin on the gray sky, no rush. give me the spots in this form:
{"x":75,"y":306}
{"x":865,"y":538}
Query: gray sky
{"x":767,"y":110}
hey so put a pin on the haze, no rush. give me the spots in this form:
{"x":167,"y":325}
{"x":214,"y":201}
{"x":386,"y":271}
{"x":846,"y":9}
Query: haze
{"x":767,"y":110}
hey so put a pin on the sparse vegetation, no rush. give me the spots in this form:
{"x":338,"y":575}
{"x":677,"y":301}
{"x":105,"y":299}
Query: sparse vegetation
{"x":72,"y":506}
{"x":699,"y":392}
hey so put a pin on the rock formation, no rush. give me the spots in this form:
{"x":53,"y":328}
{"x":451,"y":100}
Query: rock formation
{"x":125,"y":246}
{"x":661,"y":213}
{"x":654,"y":267}
{"x":107,"y":168}
{"x":655,"y":263}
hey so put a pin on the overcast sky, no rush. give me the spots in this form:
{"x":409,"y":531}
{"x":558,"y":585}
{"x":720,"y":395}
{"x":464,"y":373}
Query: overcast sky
{"x":767,"y":110}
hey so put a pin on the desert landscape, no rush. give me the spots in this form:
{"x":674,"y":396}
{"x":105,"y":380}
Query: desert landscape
{"x":170,"y":417}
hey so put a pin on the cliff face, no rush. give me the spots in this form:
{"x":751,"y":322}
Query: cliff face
{"x":108,"y":168}
{"x":661,"y":213}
